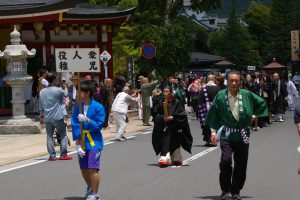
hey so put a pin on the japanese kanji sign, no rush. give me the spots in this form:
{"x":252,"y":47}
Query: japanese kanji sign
{"x":295,"y":45}
{"x":129,"y":69}
{"x":77,"y":60}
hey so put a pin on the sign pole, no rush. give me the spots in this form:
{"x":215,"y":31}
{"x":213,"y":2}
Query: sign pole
{"x":105,"y":70}
{"x":80,"y":112}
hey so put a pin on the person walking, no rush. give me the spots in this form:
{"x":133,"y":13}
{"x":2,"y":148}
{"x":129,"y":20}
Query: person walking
{"x":280,"y":96}
{"x":89,"y":142}
{"x":52,"y":114}
{"x":171,"y":130}
{"x":207,"y":95}
{"x":120,"y":109}
{"x":292,"y":93}
{"x":195,"y":89}
{"x":296,"y":80}
{"x":110,"y":92}
{"x":73,"y":93}
{"x":231,"y":114}
{"x":251,"y":85}
{"x":297,"y":122}
{"x":146,"y":92}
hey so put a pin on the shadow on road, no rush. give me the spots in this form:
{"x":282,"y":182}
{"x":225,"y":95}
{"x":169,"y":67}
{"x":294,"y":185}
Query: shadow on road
{"x":74,"y":198}
{"x":209,"y":197}
{"x":218,"y":197}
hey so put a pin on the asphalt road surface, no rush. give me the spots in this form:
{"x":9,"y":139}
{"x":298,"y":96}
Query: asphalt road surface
{"x":129,"y":171}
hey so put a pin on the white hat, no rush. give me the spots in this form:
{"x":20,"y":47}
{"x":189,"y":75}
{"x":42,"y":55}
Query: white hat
{"x":44,"y":82}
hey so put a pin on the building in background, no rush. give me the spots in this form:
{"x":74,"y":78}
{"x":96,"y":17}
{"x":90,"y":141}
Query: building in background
{"x":49,"y":24}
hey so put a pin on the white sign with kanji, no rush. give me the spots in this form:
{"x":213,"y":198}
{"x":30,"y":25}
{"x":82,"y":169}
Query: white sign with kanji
{"x":105,"y":56}
{"x":77,"y":60}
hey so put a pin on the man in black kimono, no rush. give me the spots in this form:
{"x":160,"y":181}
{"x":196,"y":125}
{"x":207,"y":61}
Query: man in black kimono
{"x":171,"y":130}
{"x":280,"y":96}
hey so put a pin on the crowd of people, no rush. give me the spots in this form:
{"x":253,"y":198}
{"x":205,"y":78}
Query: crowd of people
{"x":252,"y":101}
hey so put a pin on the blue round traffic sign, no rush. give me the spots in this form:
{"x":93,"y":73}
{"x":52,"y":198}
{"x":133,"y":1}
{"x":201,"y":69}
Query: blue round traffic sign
{"x":148,"y":51}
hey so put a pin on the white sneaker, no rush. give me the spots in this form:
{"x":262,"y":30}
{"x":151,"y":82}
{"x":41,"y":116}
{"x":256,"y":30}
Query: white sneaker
{"x":88,"y":192}
{"x":93,"y":197}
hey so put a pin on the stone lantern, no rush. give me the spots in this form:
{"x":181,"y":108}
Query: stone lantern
{"x":17,"y":77}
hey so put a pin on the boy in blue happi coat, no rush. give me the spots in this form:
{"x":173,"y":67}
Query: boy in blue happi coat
{"x":89,"y":143}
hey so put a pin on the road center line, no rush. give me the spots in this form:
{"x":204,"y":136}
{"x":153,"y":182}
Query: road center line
{"x":194,"y":157}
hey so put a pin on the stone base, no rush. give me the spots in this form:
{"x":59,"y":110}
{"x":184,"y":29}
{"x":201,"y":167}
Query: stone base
{"x":19,"y":126}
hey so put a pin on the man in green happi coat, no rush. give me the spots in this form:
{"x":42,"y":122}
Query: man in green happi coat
{"x":229,"y":117}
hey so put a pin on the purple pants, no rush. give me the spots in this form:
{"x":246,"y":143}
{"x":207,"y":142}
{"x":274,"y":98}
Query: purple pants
{"x":91,"y":160}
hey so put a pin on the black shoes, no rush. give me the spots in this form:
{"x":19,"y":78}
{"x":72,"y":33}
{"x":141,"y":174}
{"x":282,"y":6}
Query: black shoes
{"x":236,"y":197}
{"x":225,"y":196}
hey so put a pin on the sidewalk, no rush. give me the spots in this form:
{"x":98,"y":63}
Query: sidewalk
{"x":15,"y":148}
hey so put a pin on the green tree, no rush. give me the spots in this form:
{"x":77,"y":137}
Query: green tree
{"x":174,"y":37}
{"x":285,"y":17}
{"x":123,"y":48}
{"x":101,"y":2}
{"x":173,"y":46}
{"x":258,"y":19}
{"x":119,"y":3}
{"x":234,"y":42}
{"x":156,"y":21}
{"x":127,"y":3}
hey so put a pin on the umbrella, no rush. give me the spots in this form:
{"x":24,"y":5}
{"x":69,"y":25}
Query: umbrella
{"x":274,"y":65}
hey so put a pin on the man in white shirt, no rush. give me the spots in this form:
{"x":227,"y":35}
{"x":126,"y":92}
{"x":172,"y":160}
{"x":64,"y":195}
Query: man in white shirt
{"x":120,"y":109}
{"x":296,"y":80}
{"x":292,"y":92}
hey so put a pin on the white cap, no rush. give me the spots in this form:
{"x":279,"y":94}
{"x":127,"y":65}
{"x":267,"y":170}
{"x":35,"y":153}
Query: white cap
{"x":44,"y":82}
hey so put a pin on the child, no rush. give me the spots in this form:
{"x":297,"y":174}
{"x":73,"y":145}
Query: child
{"x":90,"y":144}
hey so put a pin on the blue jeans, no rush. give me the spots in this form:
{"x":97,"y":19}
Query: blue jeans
{"x":61,"y":129}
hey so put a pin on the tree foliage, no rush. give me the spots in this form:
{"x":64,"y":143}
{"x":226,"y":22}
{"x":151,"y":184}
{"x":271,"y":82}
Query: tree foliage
{"x":258,"y":19}
{"x":157,"y":21}
{"x":120,"y":3}
{"x":123,"y":48}
{"x":234,"y":42}
{"x":285,"y":17}
{"x":173,"y":46}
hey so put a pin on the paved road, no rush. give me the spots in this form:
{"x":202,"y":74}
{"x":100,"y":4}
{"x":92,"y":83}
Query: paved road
{"x":129,"y":171}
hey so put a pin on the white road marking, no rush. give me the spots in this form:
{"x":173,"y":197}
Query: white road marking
{"x":194,"y":157}
{"x":41,"y":161}
{"x":14,"y":168}
{"x":107,"y":143}
{"x":145,"y":133}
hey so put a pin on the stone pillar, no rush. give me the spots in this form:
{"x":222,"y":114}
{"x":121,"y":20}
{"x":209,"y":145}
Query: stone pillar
{"x":17,"y":77}
{"x":18,"y":99}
